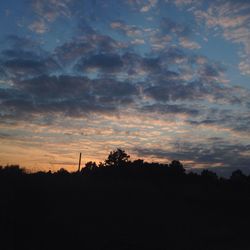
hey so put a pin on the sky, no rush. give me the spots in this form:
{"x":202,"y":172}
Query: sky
{"x":161,"y":79}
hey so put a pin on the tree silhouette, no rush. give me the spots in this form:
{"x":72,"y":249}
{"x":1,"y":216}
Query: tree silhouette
{"x":209,"y":175}
{"x":90,"y":165}
{"x":13,"y":170}
{"x":62,"y":171}
{"x":177,"y":167}
{"x":138,"y":163}
{"x":238,"y":176}
{"x":118,"y":158}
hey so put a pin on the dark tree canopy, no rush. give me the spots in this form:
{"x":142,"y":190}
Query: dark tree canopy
{"x":118,"y":158}
{"x":90,"y":165}
{"x":177,"y":167}
{"x":209,"y":175}
{"x":237,"y":176}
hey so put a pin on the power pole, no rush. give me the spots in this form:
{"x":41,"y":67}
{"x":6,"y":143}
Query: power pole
{"x":79,"y":166}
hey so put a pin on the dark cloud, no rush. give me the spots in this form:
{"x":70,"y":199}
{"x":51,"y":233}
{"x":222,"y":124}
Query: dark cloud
{"x":53,"y":87}
{"x":212,"y":153}
{"x":171,"y":109}
{"x":111,"y":90}
{"x":127,"y":63}
{"x":20,"y":67}
{"x":71,"y":51}
{"x":174,"y":55}
{"x":19,"y":53}
{"x":190,"y":80}
{"x":173,"y":90}
{"x":131,"y":62}
{"x":19,"y":42}
{"x":24,"y":59}
{"x":103,"y":62}
{"x":4,"y":135}
{"x":211,"y":70}
{"x":68,"y":95}
{"x":3,"y":74}
{"x":151,"y":65}
{"x":160,"y":77}
{"x":86,"y":44}
{"x":236,"y":120}
{"x":8,"y":93}
{"x":169,"y":26}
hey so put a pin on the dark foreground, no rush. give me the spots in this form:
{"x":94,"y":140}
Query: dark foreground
{"x":135,"y":208}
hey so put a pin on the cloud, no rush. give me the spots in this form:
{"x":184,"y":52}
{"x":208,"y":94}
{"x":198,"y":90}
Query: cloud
{"x":51,"y":9}
{"x":214,"y":153}
{"x":244,"y":66}
{"x":205,"y":83}
{"x":125,"y":63}
{"x":237,"y":121}
{"x":160,"y":42}
{"x":73,"y":50}
{"x":149,"y":5}
{"x":108,"y":77}
{"x":138,"y":42}
{"x":14,"y":53}
{"x":20,"y":42}
{"x":47,"y":12}
{"x":181,"y":3}
{"x":233,"y":19}
{"x":4,"y":135}
{"x":67,"y":95}
{"x":169,"y":26}
{"x":151,"y":65}
{"x":38,"y":27}
{"x":115,"y":78}
{"x":186,"y":43}
{"x":103,"y":62}
{"x":86,"y":45}
{"x":3,"y":74}
{"x":212,"y":71}
{"x":128,"y":30}
{"x":142,"y":6}
{"x":20,"y":62}
{"x":22,"y":67}
{"x":170,"y":109}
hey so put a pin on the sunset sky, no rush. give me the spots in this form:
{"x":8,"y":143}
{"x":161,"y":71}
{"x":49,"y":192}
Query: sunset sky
{"x":161,"y":79}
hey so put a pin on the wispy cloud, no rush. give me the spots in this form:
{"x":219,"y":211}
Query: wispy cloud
{"x":129,"y":30}
{"x":233,"y":19}
{"x":149,"y":5}
{"x":186,"y":43}
{"x":39,"y":27}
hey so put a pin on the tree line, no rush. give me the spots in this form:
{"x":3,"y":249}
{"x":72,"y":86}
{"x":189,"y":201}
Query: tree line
{"x":122,"y":204}
{"x":119,"y":159}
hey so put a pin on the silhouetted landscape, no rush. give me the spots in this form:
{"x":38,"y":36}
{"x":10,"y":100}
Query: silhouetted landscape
{"x":123,"y":204}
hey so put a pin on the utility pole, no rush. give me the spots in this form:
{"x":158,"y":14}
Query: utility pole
{"x":79,"y":166}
